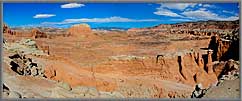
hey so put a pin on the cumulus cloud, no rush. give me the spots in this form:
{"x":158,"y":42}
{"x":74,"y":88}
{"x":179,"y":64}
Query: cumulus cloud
{"x":194,"y":11}
{"x":231,"y":18}
{"x":72,"y":5}
{"x":225,"y":11}
{"x":166,"y":12}
{"x":202,"y":9}
{"x":180,"y":20}
{"x":209,"y":6}
{"x":111,"y":19}
{"x":165,"y":9}
{"x":229,"y":12}
{"x":199,"y":14}
{"x":101,"y":20}
{"x":207,"y":15}
{"x":178,"y":6}
{"x":43,"y":15}
{"x":42,"y":25}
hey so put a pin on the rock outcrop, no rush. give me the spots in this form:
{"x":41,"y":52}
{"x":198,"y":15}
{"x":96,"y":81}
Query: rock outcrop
{"x":27,"y":46}
{"x":189,"y":68}
{"x":38,"y":34}
{"x":79,"y":30}
{"x":219,"y":46}
{"x":209,"y":65}
{"x":228,"y":80}
{"x":7,"y":30}
{"x":224,"y":49}
{"x":229,"y":68}
{"x":202,"y":28}
{"x":25,"y":66}
{"x":34,"y":33}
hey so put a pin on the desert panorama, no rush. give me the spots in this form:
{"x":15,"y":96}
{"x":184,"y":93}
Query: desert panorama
{"x":197,"y":59}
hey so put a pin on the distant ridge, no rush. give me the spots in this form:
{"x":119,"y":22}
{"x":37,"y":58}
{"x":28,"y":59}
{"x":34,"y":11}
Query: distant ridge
{"x":111,"y":28}
{"x":125,"y":29}
{"x":208,"y":22}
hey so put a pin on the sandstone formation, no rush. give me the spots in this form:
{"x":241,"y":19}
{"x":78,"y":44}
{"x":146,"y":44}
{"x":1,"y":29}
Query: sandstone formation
{"x":209,"y":65}
{"x":50,"y":72}
{"x":230,"y":67}
{"x":44,"y":47}
{"x":34,"y":33}
{"x":27,"y":46}
{"x":8,"y":31}
{"x":38,"y":34}
{"x":189,"y":70}
{"x":228,"y":77}
{"x":202,"y":28}
{"x":24,"y":66}
{"x":79,"y":30}
{"x":224,"y":49}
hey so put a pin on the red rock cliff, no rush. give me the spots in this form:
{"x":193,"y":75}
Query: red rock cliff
{"x":79,"y":30}
{"x":189,"y":68}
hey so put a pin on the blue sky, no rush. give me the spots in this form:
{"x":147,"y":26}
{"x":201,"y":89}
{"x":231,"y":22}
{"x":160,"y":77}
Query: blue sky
{"x":125,"y":15}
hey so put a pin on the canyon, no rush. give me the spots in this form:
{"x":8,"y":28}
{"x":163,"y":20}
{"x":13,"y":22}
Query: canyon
{"x":164,"y":61}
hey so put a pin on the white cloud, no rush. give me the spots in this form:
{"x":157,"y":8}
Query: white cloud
{"x":110,"y":19}
{"x":166,"y":12}
{"x":209,"y":6}
{"x":231,"y":18}
{"x":207,"y":15}
{"x":42,"y":25}
{"x":229,"y":12}
{"x":188,"y":9}
{"x":202,"y":9}
{"x":178,"y":6}
{"x":72,"y":5}
{"x":200,"y":14}
{"x":226,"y":11}
{"x":181,"y":20}
{"x":101,"y":20}
{"x":43,"y":15}
{"x":165,"y":9}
